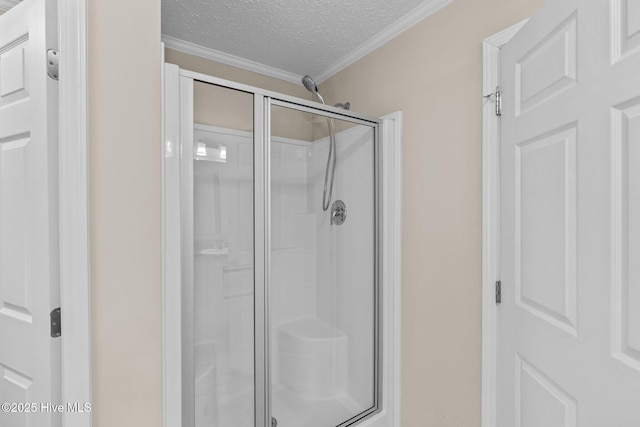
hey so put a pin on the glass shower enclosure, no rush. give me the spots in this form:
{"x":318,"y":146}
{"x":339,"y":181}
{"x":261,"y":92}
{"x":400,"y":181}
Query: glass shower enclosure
{"x":280,"y":299}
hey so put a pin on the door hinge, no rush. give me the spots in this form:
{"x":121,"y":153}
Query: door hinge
{"x":56,"y":327}
{"x":498,"y":101}
{"x":497,"y":96}
{"x":498,"y":292}
{"x":52,"y":63}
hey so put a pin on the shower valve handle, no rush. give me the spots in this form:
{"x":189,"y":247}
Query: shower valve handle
{"x":338,"y":213}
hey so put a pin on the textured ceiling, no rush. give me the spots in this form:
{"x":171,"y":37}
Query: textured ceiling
{"x":297,"y":36}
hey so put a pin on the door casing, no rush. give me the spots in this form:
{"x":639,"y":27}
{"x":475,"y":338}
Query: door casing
{"x":74,"y":210}
{"x":490,"y":218}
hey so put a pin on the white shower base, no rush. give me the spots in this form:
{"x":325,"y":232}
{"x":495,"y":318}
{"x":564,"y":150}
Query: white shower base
{"x":310,"y":392}
{"x":293,"y":410}
{"x":290,"y":408}
{"x":311,"y":387}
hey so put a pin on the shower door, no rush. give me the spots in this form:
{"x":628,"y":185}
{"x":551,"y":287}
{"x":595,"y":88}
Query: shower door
{"x":279,"y":314}
{"x":322,"y":279}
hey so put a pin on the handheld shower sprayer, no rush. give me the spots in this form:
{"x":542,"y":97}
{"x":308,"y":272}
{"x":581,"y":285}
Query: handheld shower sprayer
{"x":312,"y":87}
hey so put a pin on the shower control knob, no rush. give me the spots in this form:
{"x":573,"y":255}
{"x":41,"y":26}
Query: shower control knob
{"x":338,"y":212}
{"x":274,"y":422}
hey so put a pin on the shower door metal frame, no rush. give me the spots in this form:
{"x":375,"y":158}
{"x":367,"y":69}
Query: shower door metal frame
{"x":263,"y":101}
{"x":376,"y":125}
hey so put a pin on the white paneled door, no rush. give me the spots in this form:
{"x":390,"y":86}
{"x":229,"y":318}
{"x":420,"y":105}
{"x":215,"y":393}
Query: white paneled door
{"x":569,"y":321}
{"x":29,"y":288}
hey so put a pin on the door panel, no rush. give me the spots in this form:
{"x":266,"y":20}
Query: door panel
{"x":548,"y":68}
{"x":545,"y":238}
{"x":29,"y":357}
{"x":539,"y":401}
{"x":626,"y":18}
{"x":626,"y":304}
{"x":568,"y":326}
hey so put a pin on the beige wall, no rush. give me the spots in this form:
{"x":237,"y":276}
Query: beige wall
{"x":125,"y":217}
{"x":433,"y":72}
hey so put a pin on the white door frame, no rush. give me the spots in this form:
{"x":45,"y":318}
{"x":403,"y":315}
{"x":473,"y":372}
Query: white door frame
{"x":74,"y":210}
{"x":491,"y":219}
{"x":73,"y":198}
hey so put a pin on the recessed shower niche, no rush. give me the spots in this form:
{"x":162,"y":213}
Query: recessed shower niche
{"x":275,"y":313}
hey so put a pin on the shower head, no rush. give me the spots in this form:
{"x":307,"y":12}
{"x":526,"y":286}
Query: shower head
{"x":310,"y":84}
{"x":312,"y":87}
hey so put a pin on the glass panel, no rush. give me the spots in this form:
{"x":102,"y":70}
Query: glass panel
{"x":323,"y":281}
{"x":223,"y":264}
